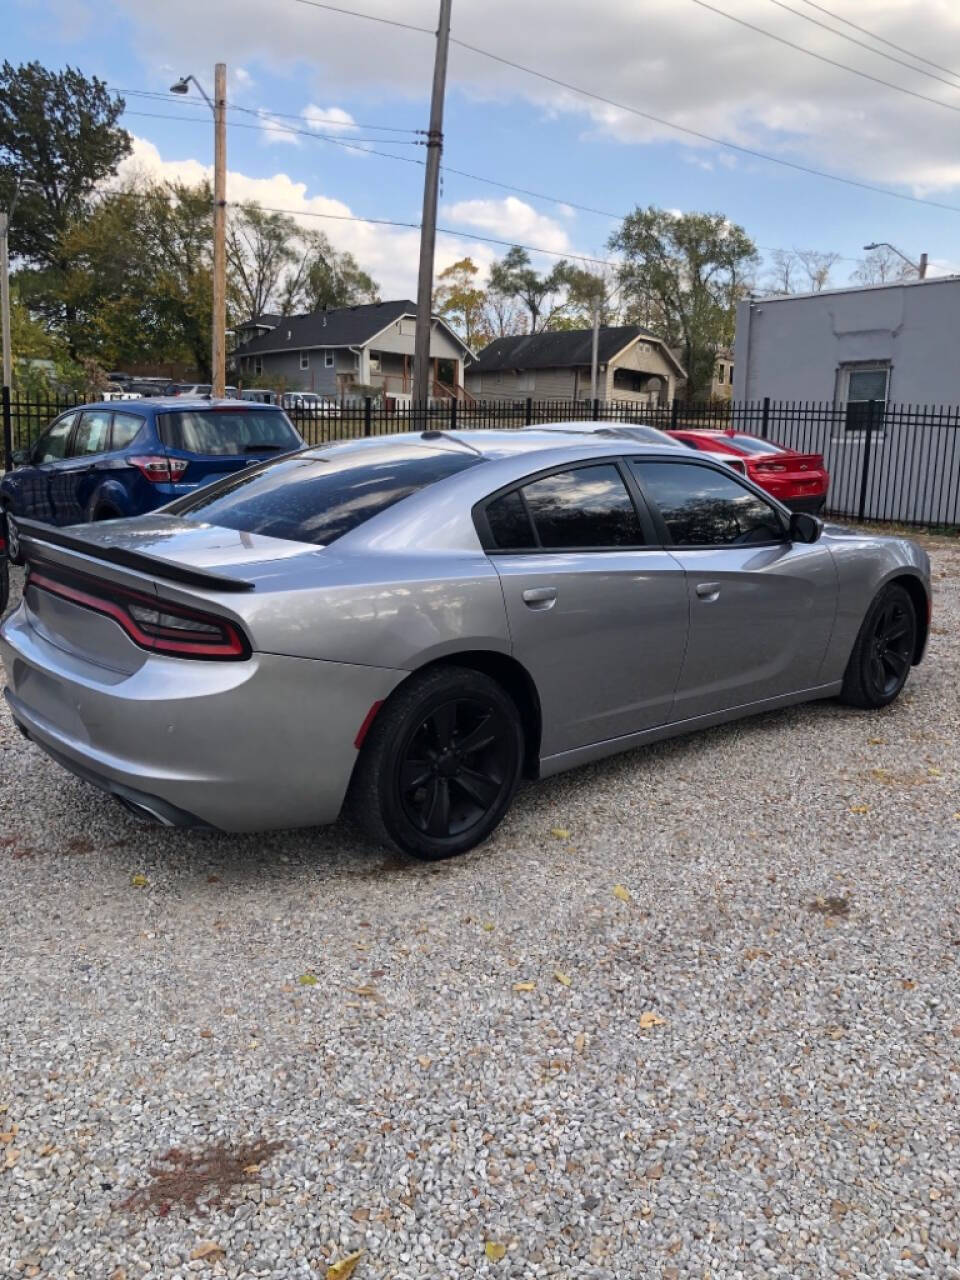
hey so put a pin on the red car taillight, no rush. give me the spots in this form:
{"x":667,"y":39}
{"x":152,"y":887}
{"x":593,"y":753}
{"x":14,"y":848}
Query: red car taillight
{"x":150,"y":623}
{"x":160,"y":470}
{"x":767,"y":467}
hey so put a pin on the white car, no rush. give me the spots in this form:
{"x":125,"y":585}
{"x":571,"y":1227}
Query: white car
{"x":308,"y":402}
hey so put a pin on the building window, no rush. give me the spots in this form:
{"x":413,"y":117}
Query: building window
{"x":304,"y":359}
{"x":258,"y":365}
{"x":862,"y":393}
{"x":329,"y":359}
{"x":730,"y":374}
{"x":374,"y":363}
{"x":720,"y":373}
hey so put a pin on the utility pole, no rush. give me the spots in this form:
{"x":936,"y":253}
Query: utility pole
{"x":922,"y":268}
{"x":5,"y":297}
{"x":218,"y":354}
{"x":428,"y":223}
{"x":595,"y":354}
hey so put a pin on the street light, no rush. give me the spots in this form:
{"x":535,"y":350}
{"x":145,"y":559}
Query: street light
{"x":218,"y":341}
{"x":919,"y":267}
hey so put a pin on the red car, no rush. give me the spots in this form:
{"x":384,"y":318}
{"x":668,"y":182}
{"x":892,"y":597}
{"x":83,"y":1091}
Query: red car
{"x":798,"y":480}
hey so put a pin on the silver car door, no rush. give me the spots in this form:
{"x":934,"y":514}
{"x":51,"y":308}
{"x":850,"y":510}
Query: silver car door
{"x":597,"y":615}
{"x":762,"y":608}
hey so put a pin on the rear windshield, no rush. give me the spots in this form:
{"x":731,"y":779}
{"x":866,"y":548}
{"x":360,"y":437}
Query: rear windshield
{"x":227,"y":431}
{"x":312,"y":498}
{"x":750,"y":444}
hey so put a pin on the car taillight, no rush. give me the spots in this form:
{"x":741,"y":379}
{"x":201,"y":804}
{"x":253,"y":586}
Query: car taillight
{"x":153,"y":624}
{"x":769,"y":466}
{"x":158,"y":469}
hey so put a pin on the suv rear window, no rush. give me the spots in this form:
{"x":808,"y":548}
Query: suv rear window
{"x":216,"y":432}
{"x":312,"y":498}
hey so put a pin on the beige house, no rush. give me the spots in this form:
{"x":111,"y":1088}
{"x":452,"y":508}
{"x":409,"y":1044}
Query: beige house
{"x":634,"y":364}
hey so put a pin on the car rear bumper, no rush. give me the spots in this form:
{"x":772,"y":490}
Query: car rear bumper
{"x":240,"y":746}
{"x":812,"y":503}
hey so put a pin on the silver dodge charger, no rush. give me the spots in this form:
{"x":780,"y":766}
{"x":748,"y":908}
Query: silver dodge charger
{"x":407,"y":625}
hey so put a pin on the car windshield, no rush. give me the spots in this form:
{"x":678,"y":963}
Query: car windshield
{"x":317,"y":499}
{"x":750,"y":444}
{"x":227,"y":431}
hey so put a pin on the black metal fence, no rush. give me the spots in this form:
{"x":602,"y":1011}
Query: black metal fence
{"x":887,"y":463}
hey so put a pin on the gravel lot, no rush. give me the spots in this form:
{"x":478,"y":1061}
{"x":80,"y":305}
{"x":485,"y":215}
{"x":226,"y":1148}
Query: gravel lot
{"x":454,"y":1062}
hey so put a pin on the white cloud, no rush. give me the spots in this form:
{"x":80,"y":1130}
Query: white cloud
{"x":511,"y":220}
{"x":665,"y":57}
{"x":276,"y":131}
{"x":328,"y":119}
{"x":389,"y":254}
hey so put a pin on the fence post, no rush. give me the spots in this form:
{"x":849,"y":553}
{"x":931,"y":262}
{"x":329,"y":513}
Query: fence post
{"x":865,"y":473}
{"x":529,"y":414}
{"x":674,"y":413}
{"x":596,"y":410}
{"x":453,"y":415}
{"x":765,"y":419}
{"x":7,"y":431}
{"x":368,"y":415}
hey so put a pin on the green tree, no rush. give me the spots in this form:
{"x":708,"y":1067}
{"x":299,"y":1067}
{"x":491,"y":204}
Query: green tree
{"x":683,"y":274}
{"x":462,"y":303}
{"x":542,"y":296}
{"x":325,"y":277}
{"x":59,"y":139}
{"x":262,"y":250}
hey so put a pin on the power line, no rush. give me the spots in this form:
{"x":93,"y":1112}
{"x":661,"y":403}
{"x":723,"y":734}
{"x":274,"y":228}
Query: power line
{"x":704,"y":137}
{"x":880,"y":39}
{"x":842,"y":66}
{"x":862,"y":45}
{"x":268,"y":127}
{"x":281,"y":115}
{"x":370,"y":17}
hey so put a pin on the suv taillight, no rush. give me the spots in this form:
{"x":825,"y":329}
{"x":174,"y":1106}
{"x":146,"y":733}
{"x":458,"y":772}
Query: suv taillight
{"x":158,"y":469}
{"x":153,"y":624}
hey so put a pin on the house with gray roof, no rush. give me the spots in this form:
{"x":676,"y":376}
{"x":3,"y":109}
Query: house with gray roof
{"x":634,"y":364}
{"x":332,"y":351}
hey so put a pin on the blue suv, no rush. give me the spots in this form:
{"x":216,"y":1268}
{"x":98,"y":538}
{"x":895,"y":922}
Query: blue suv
{"x":102,"y":462}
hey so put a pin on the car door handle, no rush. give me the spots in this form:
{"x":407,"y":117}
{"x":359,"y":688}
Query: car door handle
{"x":708,"y":590}
{"x":540,"y":597}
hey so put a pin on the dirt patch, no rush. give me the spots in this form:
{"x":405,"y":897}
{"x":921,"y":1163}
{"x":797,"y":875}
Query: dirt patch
{"x":198,"y":1181}
{"x":829,"y":906}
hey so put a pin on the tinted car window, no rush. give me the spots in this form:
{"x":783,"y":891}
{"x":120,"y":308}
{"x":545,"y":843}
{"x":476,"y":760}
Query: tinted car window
{"x":312,"y":498}
{"x":586,"y":507}
{"x":750,"y":444}
{"x":509,"y":523}
{"x":227,"y":431}
{"x":702,"y":508}
{"x":93,"y":433}
{"x":52,"y":445}
{"x":126,"y":428}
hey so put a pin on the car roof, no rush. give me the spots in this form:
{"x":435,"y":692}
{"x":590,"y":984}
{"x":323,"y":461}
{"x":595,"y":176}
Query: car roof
{"x":493,"y":443}
{"x":165,"y":404}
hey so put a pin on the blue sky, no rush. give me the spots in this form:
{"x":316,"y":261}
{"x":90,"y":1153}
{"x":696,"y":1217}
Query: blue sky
{"x":668,"y":57}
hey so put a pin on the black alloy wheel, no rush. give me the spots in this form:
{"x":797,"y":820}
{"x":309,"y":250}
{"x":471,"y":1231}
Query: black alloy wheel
{"x":883,"y":654}
{"x":440,"y":764}
{"x":452,"y":767}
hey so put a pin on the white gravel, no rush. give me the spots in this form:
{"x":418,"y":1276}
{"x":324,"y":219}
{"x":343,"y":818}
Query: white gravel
{"x":795,"y":1114}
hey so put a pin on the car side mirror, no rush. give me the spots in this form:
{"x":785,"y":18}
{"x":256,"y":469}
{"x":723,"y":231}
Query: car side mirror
{"x":804,"y":527}
{"x":20,"y":457}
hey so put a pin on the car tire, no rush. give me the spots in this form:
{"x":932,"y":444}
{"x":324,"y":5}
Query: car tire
{"x":439,"y":765}
{"x":883,"y":652}
{"x":4,"y":585}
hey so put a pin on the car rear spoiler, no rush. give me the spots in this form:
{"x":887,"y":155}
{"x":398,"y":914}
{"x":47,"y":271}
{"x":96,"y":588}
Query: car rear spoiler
{"x":35,"y":531}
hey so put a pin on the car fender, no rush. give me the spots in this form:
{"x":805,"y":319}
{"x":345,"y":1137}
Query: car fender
{"x":109,"y":493}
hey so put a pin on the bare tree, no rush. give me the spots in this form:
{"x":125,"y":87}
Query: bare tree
{"x":882,"y":266}
{"x":783,"y":271}
{"x":817,"y":266}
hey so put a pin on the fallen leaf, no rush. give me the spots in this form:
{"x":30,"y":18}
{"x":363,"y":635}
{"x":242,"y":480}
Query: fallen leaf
{"x":345,"y":1267}
{"x":251,"y":1168}
{"x":494,"y":1251}
{"x":207,"y":1249}
{"x":859,"y":808}
{"x":488,"y":925}
{"x":877,"y":742}
{"x":205,"y":1034}
{"x":908,"y":984}
{"x":935,"y":773}
{"x":580,"y":1042}
{"x":360,"y":1215}
{"x":307,"y":980}
{"x":621,"y":892}
{"x":562,"y":979}
{"x":561,"y":833}
{"x":138,"y":881}
{"x":648,"y":1020}
{"x":425,"y":1062}
{"x":13,"y":1155}
{"x":524,"y":986}
{"x":119,"y":1274}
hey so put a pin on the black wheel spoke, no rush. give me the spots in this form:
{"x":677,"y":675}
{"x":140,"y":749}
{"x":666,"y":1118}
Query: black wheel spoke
{"x":896,"y":662}
{"x":437,"y":808}
{"x":480,"y":788}
{"x":877,"y":673}
{"x":414,"y":774}
{"x":897,"y":630}
{"x":486,"y":732}
{"x":442,"y":723}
